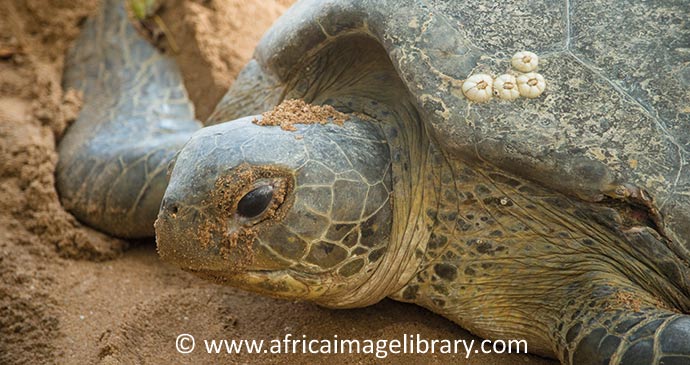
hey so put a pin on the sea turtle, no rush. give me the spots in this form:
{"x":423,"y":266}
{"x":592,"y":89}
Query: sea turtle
{"x":563,"y":220}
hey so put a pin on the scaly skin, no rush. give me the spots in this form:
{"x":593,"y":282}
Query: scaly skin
{"x":388,"y":204}
{"x":136,"y":116}
{"x":509,"y":259}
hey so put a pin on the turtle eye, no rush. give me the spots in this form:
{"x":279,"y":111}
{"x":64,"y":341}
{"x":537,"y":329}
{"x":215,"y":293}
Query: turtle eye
{"x":255,"y":202}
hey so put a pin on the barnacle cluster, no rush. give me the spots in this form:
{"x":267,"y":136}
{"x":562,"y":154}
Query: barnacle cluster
{"x":481,"y":87}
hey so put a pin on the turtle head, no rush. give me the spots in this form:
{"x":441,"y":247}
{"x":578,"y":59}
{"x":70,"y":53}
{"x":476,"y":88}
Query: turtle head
{"x":302,"y":214}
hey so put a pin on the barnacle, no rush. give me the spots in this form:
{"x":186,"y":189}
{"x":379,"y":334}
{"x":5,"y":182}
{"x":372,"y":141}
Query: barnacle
{"x":531,"y":85}
{"x":506,"y":88}
{"x":525,"y":61}
{"x":478,"y":88}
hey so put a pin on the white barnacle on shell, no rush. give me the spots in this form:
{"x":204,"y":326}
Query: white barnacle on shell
{"x":525,"y":61}
{"x":478,"y":88}
{"x":506,"y":88}
{"x":531,"y":85}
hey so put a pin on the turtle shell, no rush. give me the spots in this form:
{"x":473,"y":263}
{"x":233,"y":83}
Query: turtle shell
{"x":612,"y":123}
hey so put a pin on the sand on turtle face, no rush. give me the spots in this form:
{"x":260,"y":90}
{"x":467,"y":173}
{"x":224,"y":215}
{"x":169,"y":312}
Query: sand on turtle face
{"x":297,"y":111}
{"x":69,"y":294}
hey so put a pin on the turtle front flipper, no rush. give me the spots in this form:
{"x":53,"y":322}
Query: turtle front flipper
{"x":136,"y":115}
{"x":631,"y":329}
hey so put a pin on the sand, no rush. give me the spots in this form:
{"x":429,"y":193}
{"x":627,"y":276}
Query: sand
{"x":69,"y":294}
{"x":296,"y":111}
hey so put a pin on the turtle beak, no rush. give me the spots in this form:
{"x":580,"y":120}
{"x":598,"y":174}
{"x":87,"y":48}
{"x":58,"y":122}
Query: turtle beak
{"x":194,"y":248}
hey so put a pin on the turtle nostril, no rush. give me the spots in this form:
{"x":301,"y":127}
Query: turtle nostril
{"x":170,"y":206}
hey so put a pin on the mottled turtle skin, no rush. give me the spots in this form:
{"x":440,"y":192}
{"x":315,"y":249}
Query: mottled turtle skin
{"x":562,"y":220}
{"x":136,"y":116}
